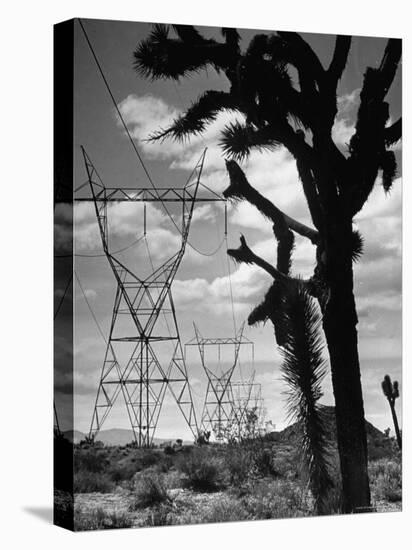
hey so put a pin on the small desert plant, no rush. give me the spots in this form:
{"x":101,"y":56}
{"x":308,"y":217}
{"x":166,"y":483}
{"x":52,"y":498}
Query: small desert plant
{"x":122,"y":472}
{"x":92,"y":482}
{"x":90,"y":460}
{"x":263,"y":461}
{"x":279,"y":499}
{"x":99,"y":519}
{"x":203,"y":471}
{"x":224,"y":510}
{"x":150,"y":490}
{"x":158,"y":516}
{"x":239,"y":464}
{"x":250,"y":458}
{"x":386,"y":480}
{"x":149,"y":458}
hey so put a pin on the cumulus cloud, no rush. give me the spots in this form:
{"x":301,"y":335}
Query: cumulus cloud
{"x":146,"y":115}
{"x":214,"y":297}
{"x":125,"y":226}
{"x":344,"y":126}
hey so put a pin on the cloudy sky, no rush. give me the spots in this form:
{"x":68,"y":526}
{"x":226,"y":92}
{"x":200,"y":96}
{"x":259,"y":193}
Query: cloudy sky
{"x":201,"y":290}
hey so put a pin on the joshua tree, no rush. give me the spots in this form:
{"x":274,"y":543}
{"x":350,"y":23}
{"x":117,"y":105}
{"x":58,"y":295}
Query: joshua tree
{"x":391,"y":392}
{"x":299,"y":117}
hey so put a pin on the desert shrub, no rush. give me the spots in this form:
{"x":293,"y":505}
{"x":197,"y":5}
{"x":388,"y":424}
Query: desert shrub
{"x":386,"y":480}
{"x":99,"y":519}
{"x":249,"y":459}
{"x":148,"y":458}
{"x":168,"y":450}
{"x":239,"y":464}
{"x":158,"y":516}
{"x":283,"y":468}
{"x":166,"y":462}
{"x":263,"y":462}
{"x":279,"y":499}
{"x":225,"y":509}
{"x":122,"y":472}
{"x":204,"y":472}
{"x":173,"y":479}
{"x":90,"y":460}
{"x":92,"y":482}
{"x":145,"y":458}
{"x":150,"y":489}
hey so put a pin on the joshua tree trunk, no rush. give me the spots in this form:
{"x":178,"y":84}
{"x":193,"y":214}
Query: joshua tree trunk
{"x":395,"y":423}
{"x":339,"y":323}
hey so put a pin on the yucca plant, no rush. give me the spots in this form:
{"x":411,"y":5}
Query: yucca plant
{"x":304,"y":369}
{"x":273,"y":110}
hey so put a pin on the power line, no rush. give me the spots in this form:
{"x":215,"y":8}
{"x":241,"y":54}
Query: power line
{"x":134,"y":243}
{"x":64,"y":295}
{"x":123,"y":121}
{"x":90,"y":308}
{"x":232,"y":302}
{"x":231,"y":289}
{"x":134,"y":145}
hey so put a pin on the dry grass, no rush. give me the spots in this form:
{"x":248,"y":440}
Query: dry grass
{"x":150,"y":490}
{"x":386,"y":479}
{"x":99,"y":519}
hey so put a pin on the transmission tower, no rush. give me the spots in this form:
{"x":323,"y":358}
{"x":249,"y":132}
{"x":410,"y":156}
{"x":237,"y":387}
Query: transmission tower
{"x":143,"y":377}
{"x":217,"y":413}
{"x":247,"y":408}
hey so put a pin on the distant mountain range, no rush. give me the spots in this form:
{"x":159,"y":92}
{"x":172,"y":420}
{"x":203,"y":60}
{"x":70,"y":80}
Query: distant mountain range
{"x":115,"y":436}
{"x":378,"y":444}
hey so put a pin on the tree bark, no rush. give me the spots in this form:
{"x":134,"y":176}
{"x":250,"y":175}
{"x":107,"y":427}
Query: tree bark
{"x":339,"y":323}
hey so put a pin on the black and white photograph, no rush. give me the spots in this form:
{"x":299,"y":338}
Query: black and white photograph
{"x":227,"y":274}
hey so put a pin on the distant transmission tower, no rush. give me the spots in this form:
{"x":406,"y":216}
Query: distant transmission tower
{"x":143,"y":377}
{"x":247,"y":408}
{"x":218,"y":406}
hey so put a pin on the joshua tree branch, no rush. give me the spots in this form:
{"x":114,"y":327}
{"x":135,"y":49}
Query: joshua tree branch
{"x":197,"y":117}
{"x":307,"y":62}
{"x":339,"y":59}
{"x":160,"y":57}
{"x":311,"y":194}
{"x":244,"y":254}
{"x":389,"y":64}
{"x":188,"y":33}
{"x":393,"y":133}
{"x":240,"y":188}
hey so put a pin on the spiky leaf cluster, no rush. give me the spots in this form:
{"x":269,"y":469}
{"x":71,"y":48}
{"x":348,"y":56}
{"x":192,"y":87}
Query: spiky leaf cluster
{"x":391,"y":391}
{"x":304,"y":368}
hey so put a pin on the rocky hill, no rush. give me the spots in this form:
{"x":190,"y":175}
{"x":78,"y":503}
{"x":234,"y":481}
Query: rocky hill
{"x":379,"y":446}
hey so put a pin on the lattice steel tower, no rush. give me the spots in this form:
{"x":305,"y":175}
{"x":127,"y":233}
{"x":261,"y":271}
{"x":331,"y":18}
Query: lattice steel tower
{"x":143,"y":376}
{"x":247,"y":408}
{"x":218,"y":408}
